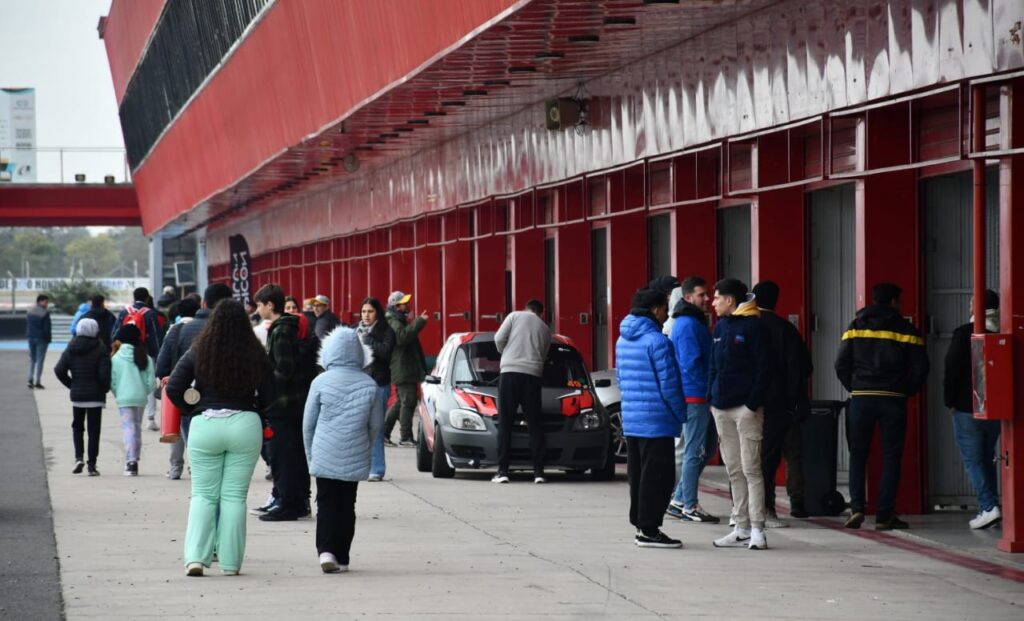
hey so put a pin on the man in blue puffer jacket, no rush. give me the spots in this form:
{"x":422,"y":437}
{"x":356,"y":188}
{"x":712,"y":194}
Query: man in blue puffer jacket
{"x":653,"y":413}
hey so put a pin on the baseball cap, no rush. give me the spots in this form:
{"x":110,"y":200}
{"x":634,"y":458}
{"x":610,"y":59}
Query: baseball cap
{"x":321,"y":299}
{"x":398,"y":297}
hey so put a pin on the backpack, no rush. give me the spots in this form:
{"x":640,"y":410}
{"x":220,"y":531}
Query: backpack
{"x":136,"y":317}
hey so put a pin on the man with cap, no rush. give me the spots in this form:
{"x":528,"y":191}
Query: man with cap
{"x":785,"y":404}
{"x":408,"y":366}
{"x":737,"y":381}
{"x":975,"y":438}
{"x":325,"y":319}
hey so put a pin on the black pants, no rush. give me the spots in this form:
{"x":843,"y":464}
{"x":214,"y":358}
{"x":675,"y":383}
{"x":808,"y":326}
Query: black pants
{"x":651,"y":466}
{"x":335,"y":517}
{"x":80,"y":416}
{"x":402,"y":411}
{"x":290,"y":470}
{"x":781,"y":438}
{"x":890,"y":415}
{"x":515,"y":390}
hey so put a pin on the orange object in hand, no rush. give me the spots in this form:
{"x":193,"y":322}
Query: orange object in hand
{"x":170,"y":420}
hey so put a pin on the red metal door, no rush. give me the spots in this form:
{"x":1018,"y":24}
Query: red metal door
{"x":573,"y":286}
{"x":427,"y":297}
{"x":628,"y":269}
{"x":403,"y":274}
{"x":528,"y":268}
{"x":357,"y":288}
{"x":491,"y":304}
{"x":379,"y":278}
{"x":458,"y":287}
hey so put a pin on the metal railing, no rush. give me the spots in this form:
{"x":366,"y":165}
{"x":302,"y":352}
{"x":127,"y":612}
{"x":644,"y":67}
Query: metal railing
{"x":64,"y":165}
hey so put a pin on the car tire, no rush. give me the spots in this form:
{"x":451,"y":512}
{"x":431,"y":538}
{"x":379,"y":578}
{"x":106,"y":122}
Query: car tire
{"x":618,"y":439}
{"x":439,"y":465}
{"x":607,"y":471}
{"x":423,"y":456}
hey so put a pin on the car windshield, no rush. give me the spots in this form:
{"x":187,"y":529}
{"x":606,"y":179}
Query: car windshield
{"x":480,"y":364}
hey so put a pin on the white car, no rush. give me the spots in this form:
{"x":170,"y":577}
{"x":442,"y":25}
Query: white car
{"x":611,"y":399}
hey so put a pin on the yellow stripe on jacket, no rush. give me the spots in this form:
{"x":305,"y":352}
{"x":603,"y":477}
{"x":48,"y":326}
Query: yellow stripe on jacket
{"x":883,"y":334}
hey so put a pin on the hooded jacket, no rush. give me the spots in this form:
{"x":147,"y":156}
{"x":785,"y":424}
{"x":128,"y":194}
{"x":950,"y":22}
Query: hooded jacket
{"x":738,"y":369}
{"x":408,"y":365}
{"x":290,"y":383}
{"x":84,"y":367}
{"x":83,"y":308}
{"x":882,"y":355}
{"x":691,"y":340}
{"x":338,"y":426}
{"x":37,"y":324}
{"x":130,"y":386}
{"x":326,"y":322}
{"x":648,"y":378}
{"x":957,"y":383}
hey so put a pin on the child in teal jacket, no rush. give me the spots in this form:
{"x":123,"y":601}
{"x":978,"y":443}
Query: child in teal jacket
{"x":131,"y":381}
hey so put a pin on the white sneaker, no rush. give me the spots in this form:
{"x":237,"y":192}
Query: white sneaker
{"x":984,"y":519}
{"x":772,"y":521}
{"x":738,"y":538}
{"x":374,"y":478}
{"x":501,"y":477}
{"x":194,"y":569}
{"x":757,"y":539}
{"x":329,"y":563}
{"x":152,"y":425}
{"x":539,"y":480}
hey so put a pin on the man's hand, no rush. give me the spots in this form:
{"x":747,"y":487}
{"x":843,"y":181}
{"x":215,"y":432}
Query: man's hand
{"x":424,"y":315}
{"x":163,"y":381}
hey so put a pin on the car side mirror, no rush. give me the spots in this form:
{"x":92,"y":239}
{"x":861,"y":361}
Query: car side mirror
{"x":432,"y":379}
{"x":603,"y":383}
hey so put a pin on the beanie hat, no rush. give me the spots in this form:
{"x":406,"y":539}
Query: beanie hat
{"x":991,"y":299}
{"x":767,"y":294}
{"x":665,"y":284}
{"x":87,"y":327}
{"x":736,"y":289}
{"x":128,"y":334}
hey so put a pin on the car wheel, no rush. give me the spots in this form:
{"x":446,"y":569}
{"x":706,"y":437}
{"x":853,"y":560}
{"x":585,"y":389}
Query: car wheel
{"x":439,"y":465}
{"x":618,"y":440}
{"x":607,"y":471}
{"x":423,"y":457}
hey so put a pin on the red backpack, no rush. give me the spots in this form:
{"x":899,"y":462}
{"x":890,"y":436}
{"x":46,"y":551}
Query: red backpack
{"x":136,"y":317}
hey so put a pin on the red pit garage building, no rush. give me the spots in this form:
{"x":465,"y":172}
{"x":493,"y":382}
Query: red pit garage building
{"x":478,"y":153}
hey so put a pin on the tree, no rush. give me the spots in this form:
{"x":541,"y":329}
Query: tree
{"x":66,"y":296}
{"x":30,"y":245}
{"x":97,"y":255}
{"x":134,"y":248}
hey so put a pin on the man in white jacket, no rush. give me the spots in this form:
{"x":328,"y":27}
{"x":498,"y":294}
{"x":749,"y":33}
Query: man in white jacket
{"x":523,"y":340}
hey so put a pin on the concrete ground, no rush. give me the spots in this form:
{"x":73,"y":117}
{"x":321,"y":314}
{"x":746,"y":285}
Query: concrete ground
{"x":469,"y":549}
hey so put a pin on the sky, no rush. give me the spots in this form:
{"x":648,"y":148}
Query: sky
{"x":53,"y":46}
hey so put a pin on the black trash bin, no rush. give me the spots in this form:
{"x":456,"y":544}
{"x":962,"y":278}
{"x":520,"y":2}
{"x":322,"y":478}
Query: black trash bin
{"x":819,"y":451}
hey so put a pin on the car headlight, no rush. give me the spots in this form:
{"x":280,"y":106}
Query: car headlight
{"x":466,"y":420}
{"x":588,"y":420}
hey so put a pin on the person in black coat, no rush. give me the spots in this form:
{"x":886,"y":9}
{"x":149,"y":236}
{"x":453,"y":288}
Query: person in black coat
{"x":84,"y":367}
{"x":785,"y":402}
{"x":379,"y":339}
{"x":104,"y":318}
{"x":975,"y":438}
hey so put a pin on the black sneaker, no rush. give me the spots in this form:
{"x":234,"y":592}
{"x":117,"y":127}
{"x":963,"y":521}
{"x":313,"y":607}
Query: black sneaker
{"x":855,"y":520}
{"x":93,"y":472}
{"x":697,"y":514}
{"x":280,"y":515}
{"x":657,"y":540}
{"x":407,"y":442}
{"x":798,"y":510}
{"x":30,"y":384}
{"x":79,"y":466}
{"x":675,"y":511}
{"x":389,"y":442}
{"x":893,"y":523}
{"x":40,"y":386}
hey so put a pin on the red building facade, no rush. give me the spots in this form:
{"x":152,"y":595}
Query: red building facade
{"x":362,"y":147}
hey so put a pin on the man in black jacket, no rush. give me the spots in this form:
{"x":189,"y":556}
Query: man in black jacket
{"x":178,"y":341}
{"x":786,"y":396}
{"x":104,"y":318}
{"x":881,"y":362}
{"x":976,"y":439}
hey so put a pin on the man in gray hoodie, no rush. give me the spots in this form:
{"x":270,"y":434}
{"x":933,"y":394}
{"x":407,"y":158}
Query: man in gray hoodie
{"x":522,"y":340}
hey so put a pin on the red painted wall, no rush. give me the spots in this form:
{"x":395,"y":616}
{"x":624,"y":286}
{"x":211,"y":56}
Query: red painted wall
{"x":428,"y":297}
{"x":458,"y":287}
{"x":247,"y":112}
{"x":779,"y":249}
{"x":528,"y":268}
{"x":489,"y":271}
{"x":695,"y":240}
{"x":128,"y":27}
{"x":627,"y":271}
{"x":574,"y":286}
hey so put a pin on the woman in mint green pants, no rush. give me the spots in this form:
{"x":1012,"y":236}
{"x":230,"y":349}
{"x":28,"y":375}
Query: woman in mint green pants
{"x":219,"y":382}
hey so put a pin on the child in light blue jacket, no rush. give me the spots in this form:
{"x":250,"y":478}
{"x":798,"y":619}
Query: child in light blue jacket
{"x":338,"y":430}
{"x":131,"y":381}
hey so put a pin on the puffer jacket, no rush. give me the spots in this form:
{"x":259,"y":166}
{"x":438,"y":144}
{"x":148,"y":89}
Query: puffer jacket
{"x":691,"y":340}
{"x":648,"y":376}
{"x":738,"y":373}
{"x":131,"y":387}
{"x":84,"y":367}
{"x":381,"y":341}
{"x":408,"y":365}
{"x":882,"y":355}
{"x":337,"y":426}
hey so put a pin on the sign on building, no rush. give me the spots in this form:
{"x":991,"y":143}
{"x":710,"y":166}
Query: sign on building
{"x":18,"y":135}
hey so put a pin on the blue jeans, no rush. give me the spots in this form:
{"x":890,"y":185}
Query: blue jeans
{"x":36,"y":356}
{"x":977,"y":441}
{"x":693,"y":451}
{"x":377,"y":450}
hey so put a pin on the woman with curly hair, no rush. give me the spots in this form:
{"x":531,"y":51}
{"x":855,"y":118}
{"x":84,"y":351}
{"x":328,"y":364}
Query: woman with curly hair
{"x":222,"y":382}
